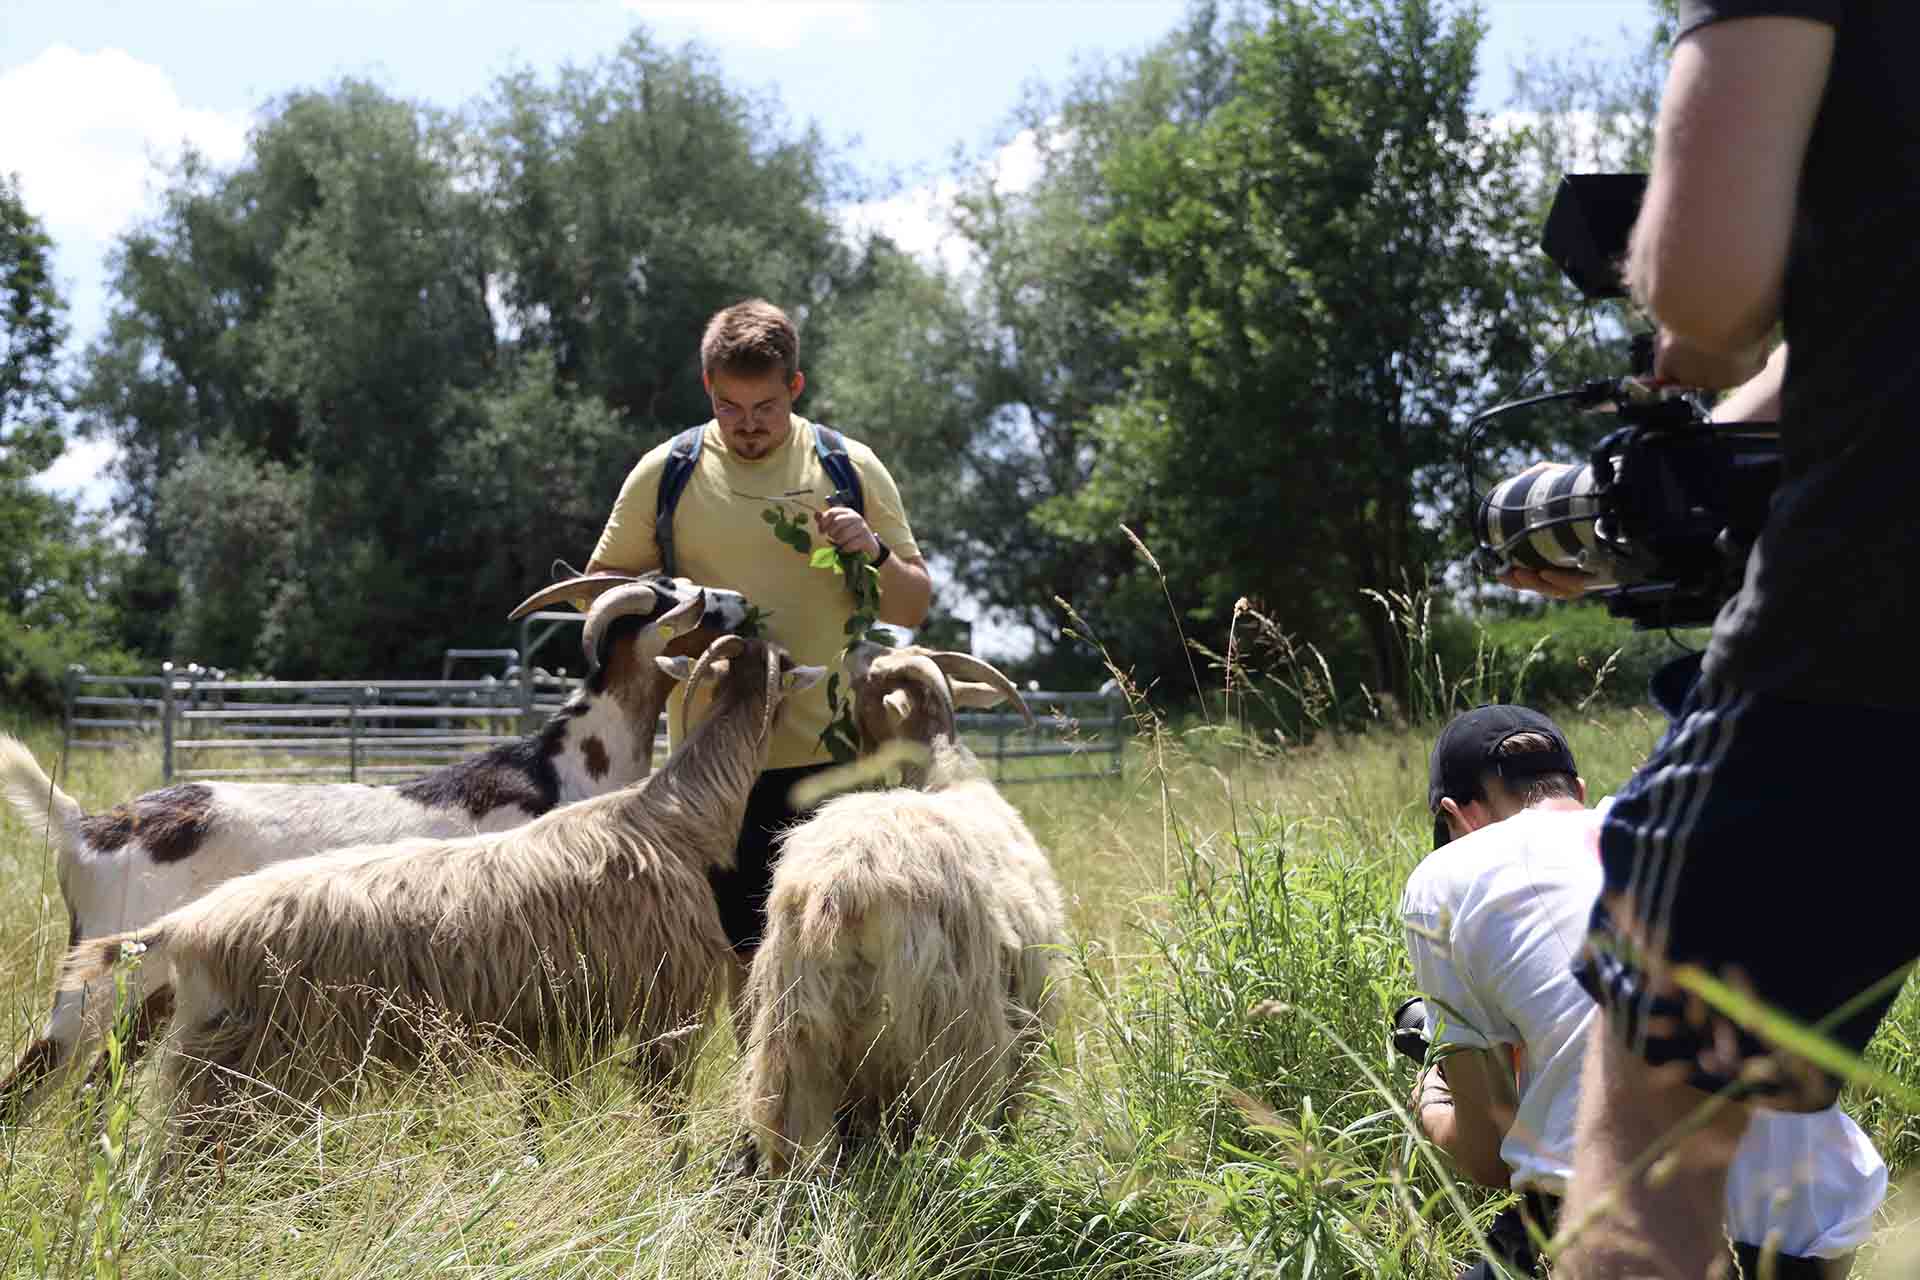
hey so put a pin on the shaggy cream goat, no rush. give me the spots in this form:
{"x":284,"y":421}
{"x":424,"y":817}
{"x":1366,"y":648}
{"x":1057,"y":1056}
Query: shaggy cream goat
{"x":903,"y":984}
{"x":127,"y":867}
{"x":593,"y":922}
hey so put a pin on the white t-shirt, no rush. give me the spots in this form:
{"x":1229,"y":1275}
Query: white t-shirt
{"x":1494,"y":921}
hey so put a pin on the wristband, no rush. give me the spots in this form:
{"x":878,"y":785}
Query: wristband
{"x":884,"y":554}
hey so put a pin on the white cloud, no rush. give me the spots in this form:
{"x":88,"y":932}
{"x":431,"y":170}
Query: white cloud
{"x":81,"y":473}
{"x":919,"y":219}
{"x":84,"y":129}
{"x":763,"y":24}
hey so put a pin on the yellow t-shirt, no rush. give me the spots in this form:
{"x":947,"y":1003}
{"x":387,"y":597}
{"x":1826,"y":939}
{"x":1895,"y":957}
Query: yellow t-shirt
{"x":721,"y":540}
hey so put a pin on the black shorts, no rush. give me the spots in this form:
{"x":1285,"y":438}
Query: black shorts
{"x":742,"y":892}
{"x":1763,"y":843}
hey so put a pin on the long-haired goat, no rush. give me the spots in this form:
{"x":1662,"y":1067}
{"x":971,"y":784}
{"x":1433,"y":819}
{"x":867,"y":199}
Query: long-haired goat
{"x":594,"y":922}
{"x":904,"y":982}
{"x":127,"y":867}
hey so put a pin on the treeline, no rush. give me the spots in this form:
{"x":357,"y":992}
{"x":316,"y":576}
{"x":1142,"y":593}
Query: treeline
{"x":370,"y":381}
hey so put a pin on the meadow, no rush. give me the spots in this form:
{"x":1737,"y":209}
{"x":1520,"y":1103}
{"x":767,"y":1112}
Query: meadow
{"x":1220,"y":1101}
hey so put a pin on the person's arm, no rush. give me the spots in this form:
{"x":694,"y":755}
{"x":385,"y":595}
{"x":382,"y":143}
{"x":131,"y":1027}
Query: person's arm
{"x":1466,"y":1109}
{"x":906,"y":588}
{"x":1758,"y":398}
{"x":627,"y":543}
{"x":1708,"y":255}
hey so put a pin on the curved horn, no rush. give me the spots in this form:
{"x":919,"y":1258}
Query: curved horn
{"x":774,"y":694}
{"x":591,"y":585}
{"x":965,"y":666}
{"x":621,"y":602}
{"x":724,"y":647}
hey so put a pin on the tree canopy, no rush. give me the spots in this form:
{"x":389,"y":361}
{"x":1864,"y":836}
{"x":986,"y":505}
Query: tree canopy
{"x":368,"y":382}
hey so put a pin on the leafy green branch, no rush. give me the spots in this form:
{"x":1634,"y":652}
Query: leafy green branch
{"x":840,"y":737}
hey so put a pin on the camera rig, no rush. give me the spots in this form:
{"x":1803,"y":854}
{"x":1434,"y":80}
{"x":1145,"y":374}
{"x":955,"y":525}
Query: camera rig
{"x":1666,"y":506}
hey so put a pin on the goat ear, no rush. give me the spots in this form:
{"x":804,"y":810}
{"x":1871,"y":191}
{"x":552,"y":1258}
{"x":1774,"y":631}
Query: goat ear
{"x":798,"y":678}
{"x":899,"y":705}
{"x":678,"y":668}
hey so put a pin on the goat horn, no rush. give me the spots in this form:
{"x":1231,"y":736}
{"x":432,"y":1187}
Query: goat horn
{"x":591,"y":585}
{"x":774,"y":692}
{"x":724,"y":647}
{"x":622,"y":601}
{"x":965,"y":666}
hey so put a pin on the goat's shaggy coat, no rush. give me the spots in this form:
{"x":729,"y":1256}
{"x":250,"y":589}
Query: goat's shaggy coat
{"x":593,"y":922}
{"x":903,"y":985}
{"x":127,"y":867}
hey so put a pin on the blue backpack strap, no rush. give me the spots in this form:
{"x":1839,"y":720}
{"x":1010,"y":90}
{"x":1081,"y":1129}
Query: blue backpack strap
{"x":832,"y":448}
{"x":681,"y":460}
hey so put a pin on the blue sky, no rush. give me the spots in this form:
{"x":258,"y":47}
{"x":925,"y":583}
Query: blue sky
{"x":92,"y":90}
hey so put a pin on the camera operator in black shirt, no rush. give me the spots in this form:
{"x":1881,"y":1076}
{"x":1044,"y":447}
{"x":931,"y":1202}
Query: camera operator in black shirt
{"x":1752,"y":849}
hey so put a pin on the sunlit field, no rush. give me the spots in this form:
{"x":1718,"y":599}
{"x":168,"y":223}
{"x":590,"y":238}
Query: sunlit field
{"x":1220,"y":1099}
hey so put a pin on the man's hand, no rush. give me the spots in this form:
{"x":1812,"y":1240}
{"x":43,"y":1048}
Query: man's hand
{"x":1429,"y":1090}
{"x":848,"y":530}
{"x":1678,"y":363}
{"x":1561,"y":584}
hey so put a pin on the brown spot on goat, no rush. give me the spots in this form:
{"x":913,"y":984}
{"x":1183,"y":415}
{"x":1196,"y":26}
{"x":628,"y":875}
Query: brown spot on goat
{"x":171,"y":822}
{"x":595,"y":752}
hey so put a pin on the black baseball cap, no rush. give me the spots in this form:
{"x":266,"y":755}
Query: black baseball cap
{"x":1464,"y":753}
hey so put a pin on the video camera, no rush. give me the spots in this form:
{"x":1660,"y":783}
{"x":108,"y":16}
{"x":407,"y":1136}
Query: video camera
{"x":1666,"y":506}
{"x":1410,"y":1030}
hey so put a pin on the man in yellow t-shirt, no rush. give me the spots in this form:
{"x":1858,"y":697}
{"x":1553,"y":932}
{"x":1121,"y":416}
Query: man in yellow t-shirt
{"x":756,"y":454}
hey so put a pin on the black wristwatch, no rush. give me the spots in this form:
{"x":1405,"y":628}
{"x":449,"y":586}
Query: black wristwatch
{"x":881,"y":556}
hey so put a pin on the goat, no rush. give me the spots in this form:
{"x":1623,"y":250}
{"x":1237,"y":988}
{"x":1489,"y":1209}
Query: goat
{"x":904,"y":981}
{"x":127,"y":867}
{"x":590,"y":923}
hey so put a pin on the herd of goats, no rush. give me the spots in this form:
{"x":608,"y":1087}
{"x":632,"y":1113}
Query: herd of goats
{"x":550,"y":898}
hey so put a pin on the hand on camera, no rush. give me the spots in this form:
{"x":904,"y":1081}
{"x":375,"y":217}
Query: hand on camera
{"x":1560,"y":584}
{"x":1678,"y":363}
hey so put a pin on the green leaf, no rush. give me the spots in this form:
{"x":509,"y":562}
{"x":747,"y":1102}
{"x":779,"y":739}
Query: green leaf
{"x":881,"y":637}
{"x":770,"y":515}
{"x":823,"y":558}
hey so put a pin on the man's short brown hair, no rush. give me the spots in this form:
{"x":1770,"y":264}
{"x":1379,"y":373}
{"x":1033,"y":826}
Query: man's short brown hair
{"x":752,"y":338}
{"x":1531,"y":790}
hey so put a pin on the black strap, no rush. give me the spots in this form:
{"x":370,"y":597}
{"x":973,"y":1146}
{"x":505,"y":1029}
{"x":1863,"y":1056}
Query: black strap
{"x":681,"y":460}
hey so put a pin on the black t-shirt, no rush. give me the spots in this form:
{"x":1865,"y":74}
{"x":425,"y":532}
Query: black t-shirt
{"x":1830,"y":611}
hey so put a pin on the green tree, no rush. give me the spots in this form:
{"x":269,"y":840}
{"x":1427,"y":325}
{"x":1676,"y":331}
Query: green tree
{"x":982,"y":388}
{"x":320,"y":308}
{"x":634,"y":198}
{"x":1324,"y":272}
{"x":56,"y":568}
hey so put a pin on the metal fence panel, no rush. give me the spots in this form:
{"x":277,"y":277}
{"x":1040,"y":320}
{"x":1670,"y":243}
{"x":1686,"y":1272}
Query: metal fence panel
{"x":207,"y":726}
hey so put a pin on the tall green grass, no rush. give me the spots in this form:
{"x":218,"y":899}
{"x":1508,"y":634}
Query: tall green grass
{"x":1220,"y":1100}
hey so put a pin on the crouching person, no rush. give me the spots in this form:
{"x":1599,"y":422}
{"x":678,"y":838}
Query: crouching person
{"x":1494,"y":917}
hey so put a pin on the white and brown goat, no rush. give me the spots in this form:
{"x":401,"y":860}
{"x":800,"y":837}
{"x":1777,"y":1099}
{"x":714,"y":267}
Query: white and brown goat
{"x":905,"y":980}
{"x":125,"y":868}
{"x":553,"y":940}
